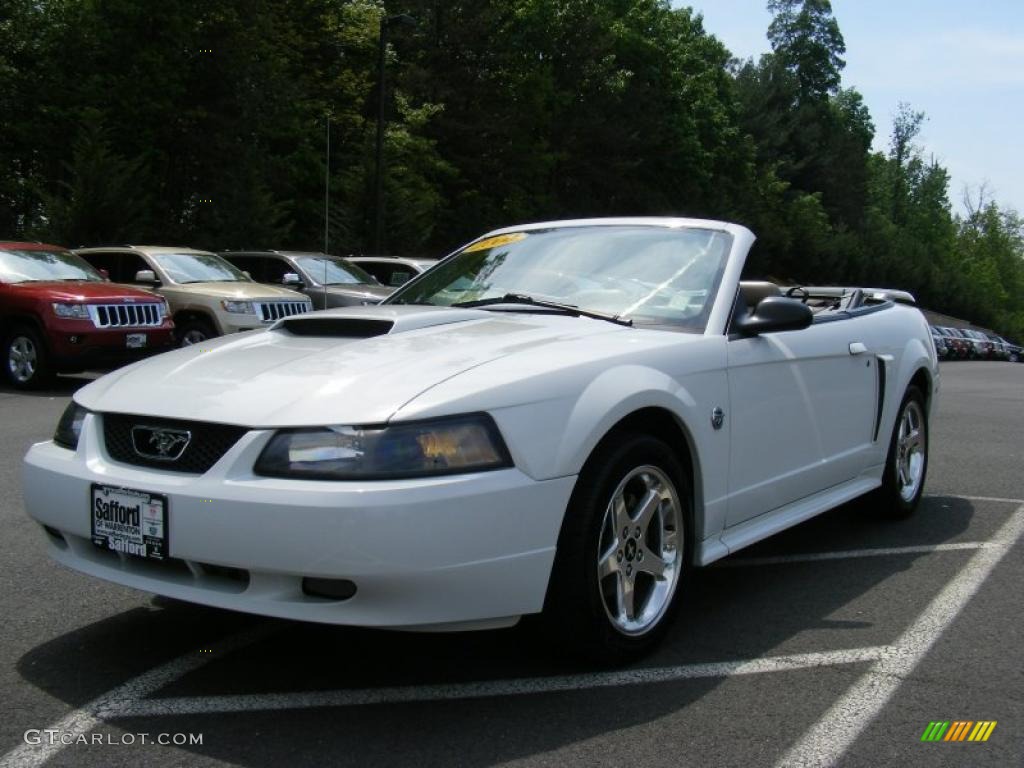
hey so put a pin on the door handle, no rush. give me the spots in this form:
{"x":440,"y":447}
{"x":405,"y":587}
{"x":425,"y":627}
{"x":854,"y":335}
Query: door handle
{"x":857,"y":348}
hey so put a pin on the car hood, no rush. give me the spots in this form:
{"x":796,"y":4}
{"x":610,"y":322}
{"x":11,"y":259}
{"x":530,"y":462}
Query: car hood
{"x":237,"y":290}
{"x":84,"y":290}
{"x":289,"y":377}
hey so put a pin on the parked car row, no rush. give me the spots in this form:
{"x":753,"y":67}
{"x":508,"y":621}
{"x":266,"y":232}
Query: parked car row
{"x":64,"y":311}
{"x":969,"y":344}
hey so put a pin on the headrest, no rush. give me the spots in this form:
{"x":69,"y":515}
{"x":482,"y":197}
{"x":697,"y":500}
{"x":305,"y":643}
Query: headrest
{"x":753,"y":291}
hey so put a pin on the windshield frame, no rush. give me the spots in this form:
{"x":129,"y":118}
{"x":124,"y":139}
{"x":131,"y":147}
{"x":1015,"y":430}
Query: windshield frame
{"x":709,"y":319}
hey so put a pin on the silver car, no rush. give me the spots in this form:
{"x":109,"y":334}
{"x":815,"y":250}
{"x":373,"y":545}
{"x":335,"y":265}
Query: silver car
{"x":330,"y":281}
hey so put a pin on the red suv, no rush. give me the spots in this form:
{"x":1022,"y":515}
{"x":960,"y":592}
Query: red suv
{"x":58,"y":314}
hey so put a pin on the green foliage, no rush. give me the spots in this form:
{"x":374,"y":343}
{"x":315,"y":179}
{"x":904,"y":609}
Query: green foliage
{"x":105,"y":196}
{"x":207,"y":124}
{"x":806,"y":39}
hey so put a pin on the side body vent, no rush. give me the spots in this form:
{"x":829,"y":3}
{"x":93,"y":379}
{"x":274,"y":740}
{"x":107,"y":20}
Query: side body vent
{"x":340,"y":327}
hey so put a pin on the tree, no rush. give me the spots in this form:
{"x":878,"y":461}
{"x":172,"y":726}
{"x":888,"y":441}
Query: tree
{"x":906,"y":127}
{"x":104,"y":198}
{"x":805,"y":37}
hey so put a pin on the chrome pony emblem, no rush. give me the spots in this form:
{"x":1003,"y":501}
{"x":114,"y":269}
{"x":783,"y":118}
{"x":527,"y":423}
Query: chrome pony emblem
{"x":717,"y":417}
{"x":160,"y":443}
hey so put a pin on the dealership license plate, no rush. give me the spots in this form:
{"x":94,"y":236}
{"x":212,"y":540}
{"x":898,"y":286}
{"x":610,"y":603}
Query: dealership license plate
{"x":135,"y":340}
{"x":128,"y":521}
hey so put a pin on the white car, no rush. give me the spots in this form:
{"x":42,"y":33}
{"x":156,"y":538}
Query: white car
{"x":392,"y":271}
{"x":561,"y":418}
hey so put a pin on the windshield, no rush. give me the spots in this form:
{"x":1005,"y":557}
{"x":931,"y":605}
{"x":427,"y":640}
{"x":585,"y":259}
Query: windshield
{"x":329,"y":270}
{"x":198,"y":268}
{"x":34,"y":266}
{"x":652,"y":275}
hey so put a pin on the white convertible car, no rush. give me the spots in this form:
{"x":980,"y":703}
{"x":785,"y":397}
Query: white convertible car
{"x":561,"y":418}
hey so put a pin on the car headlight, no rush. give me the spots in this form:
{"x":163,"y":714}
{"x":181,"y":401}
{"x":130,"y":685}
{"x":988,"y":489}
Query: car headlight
{"x":69,"y":428}
{"x":469,"y":443}
{"x":238,"y":307}
{"x":76,"y":311}
{"x":165,"y":310}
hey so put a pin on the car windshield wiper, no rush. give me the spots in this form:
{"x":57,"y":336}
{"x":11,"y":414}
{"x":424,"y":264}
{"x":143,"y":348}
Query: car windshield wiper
{"x":529,"y":301}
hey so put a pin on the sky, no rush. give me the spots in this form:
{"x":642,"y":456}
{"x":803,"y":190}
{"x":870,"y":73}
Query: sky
{"x":959,"y":61}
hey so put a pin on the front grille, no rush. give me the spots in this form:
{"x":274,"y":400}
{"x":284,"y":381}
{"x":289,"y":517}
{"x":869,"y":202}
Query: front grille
{"x":271,"y":311}
{"x":208,"y":443}
{"x":126,"y":315}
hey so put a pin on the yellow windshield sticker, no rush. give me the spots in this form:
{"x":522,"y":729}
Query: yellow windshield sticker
{"x":494,"y":242}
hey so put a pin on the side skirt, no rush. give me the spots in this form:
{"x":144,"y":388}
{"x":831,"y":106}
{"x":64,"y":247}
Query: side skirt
{"x":770,"y":523}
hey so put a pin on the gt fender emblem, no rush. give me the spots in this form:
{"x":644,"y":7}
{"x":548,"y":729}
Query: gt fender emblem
{"x":717,"y":417}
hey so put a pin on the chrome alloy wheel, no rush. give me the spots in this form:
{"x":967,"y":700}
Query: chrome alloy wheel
{"x":911,"y":445}
{"x":22,"y":358}
{"x":640,"y":553}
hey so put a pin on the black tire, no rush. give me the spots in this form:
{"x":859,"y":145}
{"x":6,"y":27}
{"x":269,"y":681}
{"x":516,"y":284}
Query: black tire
{"x":575,"y":616}
{"x":893,"y":498}
{"x":26,"y":359}
{"x":194,"y":331}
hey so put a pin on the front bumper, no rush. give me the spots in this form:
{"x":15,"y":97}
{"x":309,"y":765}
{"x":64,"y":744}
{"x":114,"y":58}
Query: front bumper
{"x":455,"y":552}
{"x":239,"y":323}
{"x":75,"y":344}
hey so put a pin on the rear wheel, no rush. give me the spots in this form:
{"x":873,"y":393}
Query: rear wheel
{"x":26,"y":359}
{"x":907,"y":464}
{"x":622,"y":552}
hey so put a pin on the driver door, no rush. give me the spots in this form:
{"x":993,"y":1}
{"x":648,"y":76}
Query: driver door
{"x":803,"y":411}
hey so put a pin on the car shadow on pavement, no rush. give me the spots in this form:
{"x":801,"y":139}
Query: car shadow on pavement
{"x":732,"y":611}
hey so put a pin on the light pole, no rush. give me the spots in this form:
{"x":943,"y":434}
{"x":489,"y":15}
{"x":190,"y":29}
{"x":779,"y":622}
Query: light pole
{"x":378,"y":181}
{"x":327,"y":185}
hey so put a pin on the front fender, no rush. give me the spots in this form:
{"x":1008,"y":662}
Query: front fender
{"x":561,"y":434}
{"x":610,"y":398}
{"x":553,"y":416}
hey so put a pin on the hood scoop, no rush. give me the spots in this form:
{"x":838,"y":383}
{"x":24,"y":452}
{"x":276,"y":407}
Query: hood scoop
{"x":337,"y":327}
{"x":367,"y":322}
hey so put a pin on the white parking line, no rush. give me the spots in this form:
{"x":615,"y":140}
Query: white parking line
{"x":994,"y":499}
{"x":90,"y":716}
{"x":193,"y":705}
{"x":827,"y":741}
{"x":810,"y":557}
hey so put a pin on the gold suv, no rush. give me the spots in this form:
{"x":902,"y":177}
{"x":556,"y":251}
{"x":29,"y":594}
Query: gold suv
{"x":207,"y":296}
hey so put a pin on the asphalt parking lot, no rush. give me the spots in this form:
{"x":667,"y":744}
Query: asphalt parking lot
{"x":837,"y":642}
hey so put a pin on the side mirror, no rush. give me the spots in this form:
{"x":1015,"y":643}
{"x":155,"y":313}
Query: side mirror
{"x":774,"y":314}
{"x":105,"y":273}
{"x":290,"y":278}
{"x":246,"y":273}
{"x":146,"y":276}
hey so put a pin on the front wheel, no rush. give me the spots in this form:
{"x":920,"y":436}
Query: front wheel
{"x":907,"y":463}
{"x":195,"y":332}
{"x":26,"y":359}
{"x":622,"y":552}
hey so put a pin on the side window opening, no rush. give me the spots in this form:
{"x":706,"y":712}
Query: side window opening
{"x":131,"y":264}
